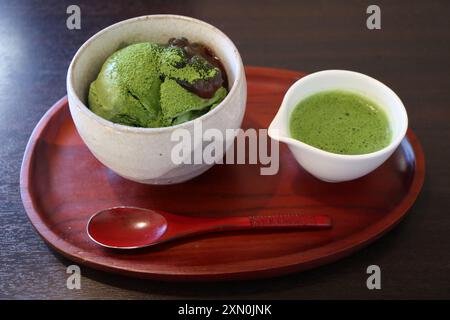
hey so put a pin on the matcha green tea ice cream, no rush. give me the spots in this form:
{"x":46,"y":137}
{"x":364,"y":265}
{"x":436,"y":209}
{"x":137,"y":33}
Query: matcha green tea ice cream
{"x":152,"y":85}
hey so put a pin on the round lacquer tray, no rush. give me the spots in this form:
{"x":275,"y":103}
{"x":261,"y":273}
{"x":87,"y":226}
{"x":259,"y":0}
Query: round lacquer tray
{"x":62,"y":184}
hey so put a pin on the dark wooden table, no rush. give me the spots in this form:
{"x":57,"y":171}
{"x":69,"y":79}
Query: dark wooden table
{"x":411,"y":53}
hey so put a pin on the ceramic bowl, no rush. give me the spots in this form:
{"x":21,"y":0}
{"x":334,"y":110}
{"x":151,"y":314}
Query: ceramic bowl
{"x":332,"y":167}
{"x":144,"y":154}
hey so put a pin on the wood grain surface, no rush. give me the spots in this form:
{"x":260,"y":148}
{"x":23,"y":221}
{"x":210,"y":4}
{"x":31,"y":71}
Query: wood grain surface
{"x":410,"y":54}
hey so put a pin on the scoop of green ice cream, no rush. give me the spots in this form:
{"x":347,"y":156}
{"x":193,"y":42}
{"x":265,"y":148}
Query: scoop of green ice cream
{"x":137,"y":86}
{"x":176,"y":65}
{"x":127,"y":88}
{"x":171,"y":95}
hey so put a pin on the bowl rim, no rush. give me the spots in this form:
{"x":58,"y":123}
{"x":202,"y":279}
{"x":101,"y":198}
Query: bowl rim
{"x":124,"y":128}
{"x":395,"y":142}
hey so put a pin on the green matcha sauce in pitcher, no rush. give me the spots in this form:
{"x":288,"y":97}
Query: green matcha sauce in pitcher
{"x":340,"y":122}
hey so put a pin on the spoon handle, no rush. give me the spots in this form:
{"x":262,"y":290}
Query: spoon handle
{"x":298,"y":221}
{"x":182,"y":226}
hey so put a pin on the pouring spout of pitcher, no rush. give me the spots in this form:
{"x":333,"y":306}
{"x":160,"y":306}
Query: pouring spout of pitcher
{"x":279,"y":127}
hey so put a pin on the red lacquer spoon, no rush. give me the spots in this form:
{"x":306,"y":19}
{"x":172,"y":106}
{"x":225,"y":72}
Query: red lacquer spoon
{"x":133,"y":228}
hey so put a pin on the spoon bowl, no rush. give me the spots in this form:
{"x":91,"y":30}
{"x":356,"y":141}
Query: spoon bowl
{"x":126,"y":227}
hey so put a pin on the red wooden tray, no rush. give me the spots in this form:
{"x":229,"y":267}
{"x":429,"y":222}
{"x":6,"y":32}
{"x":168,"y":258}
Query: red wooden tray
{"x":62,"y":184}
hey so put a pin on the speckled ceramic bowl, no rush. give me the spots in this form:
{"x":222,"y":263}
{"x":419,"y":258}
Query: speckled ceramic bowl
{"x":144,"y":154}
